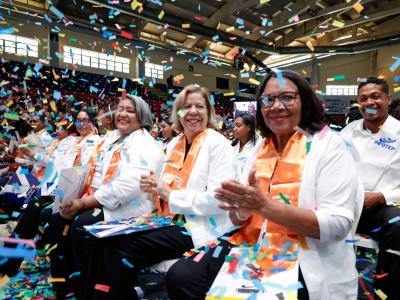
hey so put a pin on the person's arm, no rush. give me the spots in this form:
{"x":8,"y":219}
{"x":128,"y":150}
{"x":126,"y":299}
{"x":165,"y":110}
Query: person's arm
{"x":221,"y":166}
{"x":124,"y":187}
{"x":335,"y":192}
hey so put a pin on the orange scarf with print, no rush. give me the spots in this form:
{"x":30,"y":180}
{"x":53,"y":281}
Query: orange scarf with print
{"x":280,"y":178}
{"x":178,"y":169}
{"x":112,"y":167}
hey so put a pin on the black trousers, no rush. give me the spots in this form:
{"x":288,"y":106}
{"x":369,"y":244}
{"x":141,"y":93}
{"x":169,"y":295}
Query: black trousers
{"x":191,"y":280}
{"x":121,"y":257}
{"x":71,"y":256}
{"x":27,"y":228}
{"x":375,"y":223}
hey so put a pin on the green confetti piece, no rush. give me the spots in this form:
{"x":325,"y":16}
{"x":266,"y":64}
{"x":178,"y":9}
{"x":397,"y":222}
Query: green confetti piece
{"x":11,"y":116}
{"x":181,"y":113}
{"x":96,"y":212}
{"x":339,"y":77}
{"x":73,"y":40}
{"x":286,"y":200}
{"x":308,"y":146}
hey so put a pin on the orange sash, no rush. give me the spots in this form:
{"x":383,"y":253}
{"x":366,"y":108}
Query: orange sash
{"x":280,"y":178}
{"x":178,"y":169}
{"x":113,"y":166}
{"x":78,"y":148}
{"x":39,"y":174}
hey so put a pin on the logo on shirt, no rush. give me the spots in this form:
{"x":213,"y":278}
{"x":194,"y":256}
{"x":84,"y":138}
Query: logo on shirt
{"x":385,"y":143}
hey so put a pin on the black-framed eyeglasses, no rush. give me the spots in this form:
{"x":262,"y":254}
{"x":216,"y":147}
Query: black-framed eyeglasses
{"x":286,"y":99}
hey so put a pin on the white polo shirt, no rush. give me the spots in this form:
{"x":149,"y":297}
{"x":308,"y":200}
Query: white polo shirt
{"x":377,"y":157}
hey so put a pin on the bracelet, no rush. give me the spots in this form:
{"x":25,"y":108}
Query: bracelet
{"x":240,"y":218}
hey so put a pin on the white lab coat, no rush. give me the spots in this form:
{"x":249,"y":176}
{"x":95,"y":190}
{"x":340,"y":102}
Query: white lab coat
{"x":216,"y":162}
{"x":377,"y":156}
{"x":242,"y":156}
{"x":122,"y":197}
{"x":329,"y":187}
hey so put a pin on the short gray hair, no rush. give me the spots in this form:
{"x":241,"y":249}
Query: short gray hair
{"x":143,"y":112}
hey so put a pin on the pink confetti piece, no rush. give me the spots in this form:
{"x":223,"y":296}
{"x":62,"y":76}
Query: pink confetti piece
{"x":278,"y":262}
{"x":10,"y":240}
{"x":199,"y":256}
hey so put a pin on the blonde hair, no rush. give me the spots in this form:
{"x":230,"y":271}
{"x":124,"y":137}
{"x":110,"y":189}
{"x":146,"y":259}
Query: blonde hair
{"x":180,"y":102}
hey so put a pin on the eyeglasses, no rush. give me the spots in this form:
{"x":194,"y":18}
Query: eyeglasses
{"x":286,"y":99}
{"x":82,"y":122}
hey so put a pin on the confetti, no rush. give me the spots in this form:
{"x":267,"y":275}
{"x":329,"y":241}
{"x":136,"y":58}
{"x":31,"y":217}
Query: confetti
{"x":127,"y":263}
{"x":395,"y":65}
{"x":394,"y":220}
{"x":102,"y":287}
{"x":381,"y":294}
{"x":338,"y":24}
{"x":371,"y":111}
{"x":161,"y":14}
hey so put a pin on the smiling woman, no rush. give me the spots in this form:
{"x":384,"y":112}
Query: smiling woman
{"x":298,"y":186}
{"x":112,"y":191}
{"x":197,"y":161}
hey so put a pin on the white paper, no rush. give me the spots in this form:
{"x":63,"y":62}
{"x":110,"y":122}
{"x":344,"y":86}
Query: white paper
{"x":71,"y":182}
{"x":226,"y":285}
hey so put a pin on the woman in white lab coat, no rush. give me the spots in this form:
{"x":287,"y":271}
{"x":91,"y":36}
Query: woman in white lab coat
{"x":245,"y":139}
{"x":298,"y":203}
{"x":112,"y":191}
{"x":197,"y":162}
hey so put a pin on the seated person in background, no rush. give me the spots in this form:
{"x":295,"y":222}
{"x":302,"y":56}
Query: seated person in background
{"x":105,"y":120}
{"x":38,"y":123}
{"x":117,"y":165}
{"x":167,"y":131}
{"x":376,"y":148}
{"x":198,"y":160}
{"x":302,"y":191}
{"x":245,"y":139}
{"x":69,"y":152}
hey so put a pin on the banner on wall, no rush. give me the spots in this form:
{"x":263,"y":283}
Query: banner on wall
{"x":336,"y":105}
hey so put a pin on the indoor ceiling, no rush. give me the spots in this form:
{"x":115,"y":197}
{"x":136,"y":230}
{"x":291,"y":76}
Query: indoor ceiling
{"x":265,"y":29}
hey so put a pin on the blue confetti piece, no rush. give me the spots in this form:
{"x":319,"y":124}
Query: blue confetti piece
{"x":213,"y":222}
{"x":15,"y":214}
{"x":217,"y":252}
{"x":351,"y":241}
{"x":395,"y":65}
{"x":394,"y":220}
{"x":279,"y":76}
{"x":253,"y":296}
{"x":17,"y":252}
{"x":74,"y":274}
{"x":24,"y":171}
{"x":376,"y":229}
{"x":277,"y":270}
{"x":217,"y":291}
{"x":93,"y":89}
{"x":3,"y":261}
{"x":57,"y":95}
{"x":294,"y":286}
{"x":127,"y":263}
{"x":371,"y":111}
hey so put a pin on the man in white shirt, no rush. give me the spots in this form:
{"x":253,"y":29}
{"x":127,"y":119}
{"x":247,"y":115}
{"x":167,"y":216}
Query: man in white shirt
{"x":376,"y":144}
